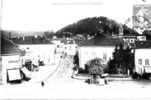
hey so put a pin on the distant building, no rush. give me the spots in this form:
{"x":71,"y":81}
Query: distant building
{"x":70,"y":49}
{"x":42,"y":52}
{"x":130,"y":40}
{"x":143,"y":57}
{"x":97,"y":48}
{"x":141,"y":38}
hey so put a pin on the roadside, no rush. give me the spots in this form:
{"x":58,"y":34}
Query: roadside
{"x":111,"y":77}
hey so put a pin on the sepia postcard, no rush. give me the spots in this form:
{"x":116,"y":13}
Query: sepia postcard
{"x":75,"y":49}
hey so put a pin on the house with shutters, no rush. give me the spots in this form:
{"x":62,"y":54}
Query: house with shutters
{"x":143,"y":57}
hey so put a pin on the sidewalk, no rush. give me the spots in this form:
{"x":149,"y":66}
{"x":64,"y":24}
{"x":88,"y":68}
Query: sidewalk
{"x":115,"y":77}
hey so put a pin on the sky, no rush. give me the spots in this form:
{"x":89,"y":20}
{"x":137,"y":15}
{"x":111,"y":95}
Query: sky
{"x":51,"y":15}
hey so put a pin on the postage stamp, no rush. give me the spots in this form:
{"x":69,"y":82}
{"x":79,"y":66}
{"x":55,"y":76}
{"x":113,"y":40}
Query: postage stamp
{"x":141,"y":18}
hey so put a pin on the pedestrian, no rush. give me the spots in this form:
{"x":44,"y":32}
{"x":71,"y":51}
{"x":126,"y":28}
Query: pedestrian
{"x":42,"y":83}
{"x":105,"y":81}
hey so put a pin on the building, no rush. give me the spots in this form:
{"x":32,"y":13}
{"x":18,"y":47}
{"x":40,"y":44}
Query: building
{"x":35,"y":52}
{"x":70,"y":49}
{"x":143,"y":57}
{"x":37,"y":47}
{"x":11,"y":62}
{"x":97,"y":48}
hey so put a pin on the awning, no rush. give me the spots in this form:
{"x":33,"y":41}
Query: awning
{"x":14,"y":75}
{"x":26,"y":72}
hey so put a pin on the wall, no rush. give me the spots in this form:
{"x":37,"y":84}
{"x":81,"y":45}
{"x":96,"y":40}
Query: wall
{"x":89,"y":53}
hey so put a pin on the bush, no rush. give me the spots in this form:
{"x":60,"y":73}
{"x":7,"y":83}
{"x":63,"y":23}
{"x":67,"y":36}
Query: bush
{"x":95,"y":67}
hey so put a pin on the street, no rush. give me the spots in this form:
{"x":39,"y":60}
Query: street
{"x":68,"y":88}
{"x":78,"y":89}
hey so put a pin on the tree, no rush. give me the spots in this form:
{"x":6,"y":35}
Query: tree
{"x":95,"y":67}
{"x":128,"y":60}
{"x":76,"y":61}
{"x":118,"y":58}
{"x":147,"y":33}
{"x":123,"y":60}
{"x":111,"y":67}
{"x":48,"y":34}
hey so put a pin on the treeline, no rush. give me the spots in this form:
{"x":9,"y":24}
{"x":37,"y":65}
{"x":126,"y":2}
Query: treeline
{"x":30,"y":40}
{"x":35,"y":39}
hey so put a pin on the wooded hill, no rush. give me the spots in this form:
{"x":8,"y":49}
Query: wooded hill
{"x":97,"y":26}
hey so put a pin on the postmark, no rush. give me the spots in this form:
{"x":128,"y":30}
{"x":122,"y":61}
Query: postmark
{"x":141,"y":18}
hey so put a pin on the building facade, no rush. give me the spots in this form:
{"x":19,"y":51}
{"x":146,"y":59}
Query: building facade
{"x":97,"y":48}
{"x":35,"y":52}
{"x":11,"y":62}
{"x":87,"y":53}
{"x":143,"y":57}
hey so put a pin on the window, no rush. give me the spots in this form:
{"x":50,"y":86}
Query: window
{"x":146,"y":61}
{"x":132,"y":41}
{"x":105,"y":56}
{"x":140,"y":61}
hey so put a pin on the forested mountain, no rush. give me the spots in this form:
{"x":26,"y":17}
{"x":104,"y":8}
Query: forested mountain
{"x":97,"y":26}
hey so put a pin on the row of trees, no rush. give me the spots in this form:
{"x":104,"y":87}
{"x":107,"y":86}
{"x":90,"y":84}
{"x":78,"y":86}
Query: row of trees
{"x":123,"y":60}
